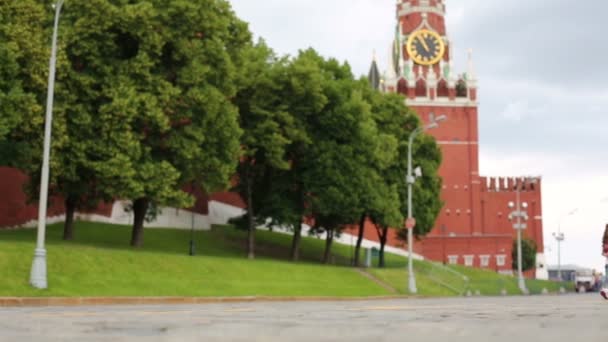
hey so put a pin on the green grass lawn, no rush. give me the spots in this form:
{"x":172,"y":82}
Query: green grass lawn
{"x":433,"y":279}
{"x":100,"y":262}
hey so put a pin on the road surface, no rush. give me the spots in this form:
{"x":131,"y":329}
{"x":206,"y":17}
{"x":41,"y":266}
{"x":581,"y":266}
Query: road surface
{"x":572,"y":318}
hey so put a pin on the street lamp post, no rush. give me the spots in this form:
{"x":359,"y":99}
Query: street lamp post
{"x":192,"y":233}
{"x":559,"y":237}
{"x":519,"y":215}
{"x":410,"y":179}
{"x":192,"y":226}
{"x":38,"y":273}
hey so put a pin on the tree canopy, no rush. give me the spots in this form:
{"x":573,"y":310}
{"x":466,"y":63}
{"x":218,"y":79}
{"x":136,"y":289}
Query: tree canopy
{"x":143,"y":99}
{"x":23,"y":74}
{"x":154,"y":95}
{"x":528,"y":254}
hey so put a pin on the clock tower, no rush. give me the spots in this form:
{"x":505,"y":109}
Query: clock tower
{"x":472,"y":227}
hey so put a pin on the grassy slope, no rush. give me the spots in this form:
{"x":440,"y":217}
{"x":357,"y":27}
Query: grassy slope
{"x":162,"y":267}
{"x":485,"y":282}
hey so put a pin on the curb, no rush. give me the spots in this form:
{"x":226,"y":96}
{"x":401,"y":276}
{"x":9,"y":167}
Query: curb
{"x":93,"y":301}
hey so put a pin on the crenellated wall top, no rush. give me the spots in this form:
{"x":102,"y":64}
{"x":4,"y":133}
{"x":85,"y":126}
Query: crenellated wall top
{"x":510,"y":184}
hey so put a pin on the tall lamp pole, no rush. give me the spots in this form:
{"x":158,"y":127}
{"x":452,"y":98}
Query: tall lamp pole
{"x":520,"y":215}
{"x":411,"y":178}
{"x":192,"y":225}
{"x":38,"y":273}
{"x":559,"y":237}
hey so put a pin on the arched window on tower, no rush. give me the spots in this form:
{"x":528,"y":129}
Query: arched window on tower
{"x":461,"y":88}
{"x":402,"y":87}
{"x":442,"y":89}
{"x":420,"y":88}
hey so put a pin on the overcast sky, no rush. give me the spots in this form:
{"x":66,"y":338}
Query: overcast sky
{"x":542,"y":67}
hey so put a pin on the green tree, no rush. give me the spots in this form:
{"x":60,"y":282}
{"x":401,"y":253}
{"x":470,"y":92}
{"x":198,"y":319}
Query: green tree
{"x":26,"y":28}
{"x":143,"y":100}
{"x":381,"y":201}
{"x":168,"y":71}
{"x":285,"y":197}
{"x":267,"y":128}
{"x":528,"y":254}
{"x":386,"y":202}
{"x":331,"y":133}
{"x":339,"y":172}
{"x":24,"y":57}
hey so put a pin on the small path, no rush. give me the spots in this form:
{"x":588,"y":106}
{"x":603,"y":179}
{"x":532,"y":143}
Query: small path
{"x":380,"y":282}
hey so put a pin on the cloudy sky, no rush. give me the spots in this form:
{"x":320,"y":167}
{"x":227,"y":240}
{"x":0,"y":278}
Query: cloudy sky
{"x":542,"y":67}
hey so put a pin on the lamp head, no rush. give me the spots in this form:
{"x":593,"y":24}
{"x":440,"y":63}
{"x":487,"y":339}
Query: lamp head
{"x":418,"y":172}
{"x":524,"y":205}
{"x":431,"y":125}
{"x":511,"y":205}
{"x":441,"y":118}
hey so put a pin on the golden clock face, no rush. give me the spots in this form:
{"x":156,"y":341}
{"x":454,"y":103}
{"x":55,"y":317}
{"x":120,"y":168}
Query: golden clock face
{"x":425,"y":47}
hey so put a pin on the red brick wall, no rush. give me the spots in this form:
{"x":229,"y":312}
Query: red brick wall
{"x":14,"y":209}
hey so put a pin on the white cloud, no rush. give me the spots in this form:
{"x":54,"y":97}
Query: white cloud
{"x":349,"y":30}
{"x":518,"y":110}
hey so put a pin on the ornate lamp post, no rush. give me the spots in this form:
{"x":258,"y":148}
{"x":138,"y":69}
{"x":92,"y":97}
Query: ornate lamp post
{"x":559,"y":237}
{"x":519,"y":215}
{"x":38,"y":273}
{"x":411,"y":178}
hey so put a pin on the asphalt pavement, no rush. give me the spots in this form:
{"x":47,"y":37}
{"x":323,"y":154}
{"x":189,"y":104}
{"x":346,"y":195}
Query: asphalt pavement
{"x":571,"y":318}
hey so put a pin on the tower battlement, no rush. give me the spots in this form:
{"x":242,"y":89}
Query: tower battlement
{"x":510,"y":184}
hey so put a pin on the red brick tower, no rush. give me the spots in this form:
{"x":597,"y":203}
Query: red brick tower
{"x":473,"y":226}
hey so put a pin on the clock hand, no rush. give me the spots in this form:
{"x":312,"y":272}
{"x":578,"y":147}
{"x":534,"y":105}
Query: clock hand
{"x":426,"y":47}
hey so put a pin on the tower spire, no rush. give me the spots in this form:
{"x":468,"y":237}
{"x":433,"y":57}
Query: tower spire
{"x":470,"y":67}
{"x":391,"y":75}
{"x":374,"y":74}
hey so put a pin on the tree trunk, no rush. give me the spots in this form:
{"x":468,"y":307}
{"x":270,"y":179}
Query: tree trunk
{"x":328,"y":241}
{"x":383,"y":239}
{"x":295,"y":242}
{"x":68,"y":225}
{"x":359,"y":240}
{"x":250,"y":223}
{"x":140,"y":208}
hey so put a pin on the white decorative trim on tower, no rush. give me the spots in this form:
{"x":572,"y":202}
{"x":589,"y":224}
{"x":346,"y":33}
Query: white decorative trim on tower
{"x":410,"y":74}
{"x":453,"y":78}
{"x":390,"y":75}
{"x":431,"y":79}
{"x":465,"y":143}
{"x":407,"y":8}
{"x":471,"y":77}
{"x":442,"y":102}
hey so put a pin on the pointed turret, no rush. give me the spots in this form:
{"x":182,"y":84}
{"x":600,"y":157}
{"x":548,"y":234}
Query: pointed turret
{"x":471,"y":77}
{"x":374,"y":75}
{"x":391,"y":74}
